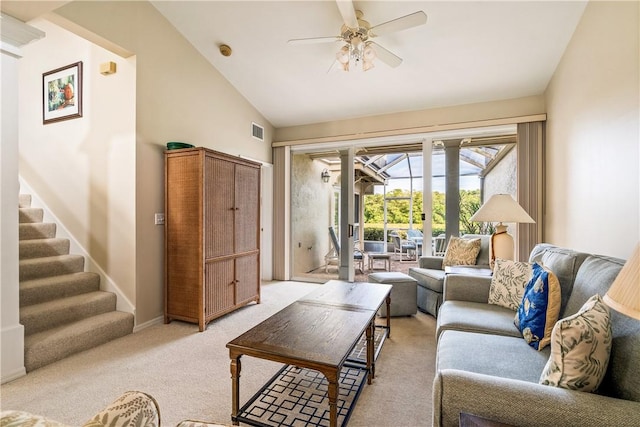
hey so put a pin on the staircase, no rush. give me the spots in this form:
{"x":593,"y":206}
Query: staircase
{"x":62,"y":308}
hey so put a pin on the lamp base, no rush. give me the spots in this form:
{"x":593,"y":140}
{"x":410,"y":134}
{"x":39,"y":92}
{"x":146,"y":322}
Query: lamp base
{"x":502,"y":245}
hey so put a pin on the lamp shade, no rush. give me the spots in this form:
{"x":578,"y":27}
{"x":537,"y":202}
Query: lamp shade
{"x":624,"y":293}
{"x":501,"y":208}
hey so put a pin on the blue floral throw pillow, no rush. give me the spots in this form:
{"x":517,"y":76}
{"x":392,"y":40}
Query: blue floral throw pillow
{"x":540,"y":307}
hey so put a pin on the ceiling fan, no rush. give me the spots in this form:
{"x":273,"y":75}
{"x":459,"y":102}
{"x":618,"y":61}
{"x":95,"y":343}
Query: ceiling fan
{"x":358,"y":50}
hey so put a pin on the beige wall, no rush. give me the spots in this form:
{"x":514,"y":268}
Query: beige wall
{"x":179,"y":97}
{"x":309,"y":227}
{"x":83,"y":169}
{"x":415,"y":121}
{"x":592,"y":159}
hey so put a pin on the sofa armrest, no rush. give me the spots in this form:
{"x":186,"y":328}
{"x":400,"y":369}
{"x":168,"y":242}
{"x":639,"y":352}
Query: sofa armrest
{"x":132,"y":408}
{"x":463,"y":287}
{"x":523,"y":403}
{"x":431,"y":262}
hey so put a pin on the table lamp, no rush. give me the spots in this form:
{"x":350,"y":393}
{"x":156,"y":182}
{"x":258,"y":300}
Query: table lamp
{"x":624,"y":294}
{"x":501,"y":208}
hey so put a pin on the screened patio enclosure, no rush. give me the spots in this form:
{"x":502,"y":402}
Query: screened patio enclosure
{"x":390,"y":177}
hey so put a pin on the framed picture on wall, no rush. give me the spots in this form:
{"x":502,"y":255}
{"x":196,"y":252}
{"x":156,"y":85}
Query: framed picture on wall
{"x":62,"y":93}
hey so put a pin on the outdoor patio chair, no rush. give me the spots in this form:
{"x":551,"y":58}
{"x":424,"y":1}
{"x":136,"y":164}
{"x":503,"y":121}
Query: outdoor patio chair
{"x":439,"y":245}
{"x":401,"y":246}
{"x":417,"y":237}
{"x":333,"y":256}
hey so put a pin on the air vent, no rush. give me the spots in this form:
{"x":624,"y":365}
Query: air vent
{"x":257,"y":131}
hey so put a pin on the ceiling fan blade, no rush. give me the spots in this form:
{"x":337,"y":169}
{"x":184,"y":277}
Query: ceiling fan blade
{"x":386,"y":56}
{"x":348,"y":13}
{"x":413,"y":20}
{"x":313,"y":40}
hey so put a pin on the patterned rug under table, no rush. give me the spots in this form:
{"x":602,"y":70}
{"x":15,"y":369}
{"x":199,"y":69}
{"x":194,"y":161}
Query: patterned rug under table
{"x":298,"y":397}
{"x":359,"y":353}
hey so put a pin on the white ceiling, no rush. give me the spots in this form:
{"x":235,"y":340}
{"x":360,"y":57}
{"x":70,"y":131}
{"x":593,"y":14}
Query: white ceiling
{"x":467,"y":52}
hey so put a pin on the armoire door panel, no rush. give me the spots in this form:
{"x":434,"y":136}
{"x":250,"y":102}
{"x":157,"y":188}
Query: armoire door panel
{"x":247,"y":277}
{"x":219,"y":286}
{"x":247,"y":208}
{"x":219,"y":208}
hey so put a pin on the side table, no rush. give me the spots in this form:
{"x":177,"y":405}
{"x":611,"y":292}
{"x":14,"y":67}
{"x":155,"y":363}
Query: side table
{"x":373,"y":256}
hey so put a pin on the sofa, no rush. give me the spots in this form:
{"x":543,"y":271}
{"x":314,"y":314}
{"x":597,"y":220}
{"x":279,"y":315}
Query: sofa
{"x":430,"y":275}
{"x":132,"y":408}
{"x":485,"y":368}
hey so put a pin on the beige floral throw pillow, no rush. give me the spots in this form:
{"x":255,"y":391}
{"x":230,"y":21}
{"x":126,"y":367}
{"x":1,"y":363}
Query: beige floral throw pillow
{"x":580,"y":348}
{"x":508,"y":282}
{"x":461,"y":251}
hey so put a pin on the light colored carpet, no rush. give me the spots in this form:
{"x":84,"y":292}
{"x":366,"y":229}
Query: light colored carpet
{"x":319,"y":274}
{"x":188,"y":371}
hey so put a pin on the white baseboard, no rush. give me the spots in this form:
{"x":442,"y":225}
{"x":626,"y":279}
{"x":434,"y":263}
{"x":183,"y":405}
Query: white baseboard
{"x":12,"y":339}
{"x":157,"y":321}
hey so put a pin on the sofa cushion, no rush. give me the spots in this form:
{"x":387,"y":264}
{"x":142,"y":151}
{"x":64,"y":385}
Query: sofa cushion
{"x":506,"y":357}
{"x":508,"y":282}
{"x":476,"y":317}
{"x":428,"y":278}
{"x":484,"y":256}
{"x":580,"y":346}
{"x":461,"y":251}
{"x":622,"y":380}
{"x":539,"y":309}
{"x":565,"y":264}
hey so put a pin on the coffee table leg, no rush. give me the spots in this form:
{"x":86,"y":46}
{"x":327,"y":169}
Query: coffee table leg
{"x":235,"y":388}
{"x":333,"y":389}
{"x":389,"y":315}
{"x":371,"y":367}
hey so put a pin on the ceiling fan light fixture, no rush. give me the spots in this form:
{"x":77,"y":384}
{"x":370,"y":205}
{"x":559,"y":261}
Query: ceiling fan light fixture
{"x":367,"y":65}
{"x":356,"y":33}
{"x":369,"y":53}
{"x":343,"y":55}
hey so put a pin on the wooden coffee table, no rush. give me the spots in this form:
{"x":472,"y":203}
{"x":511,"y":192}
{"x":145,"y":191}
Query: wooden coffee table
{"x":316,"y":332}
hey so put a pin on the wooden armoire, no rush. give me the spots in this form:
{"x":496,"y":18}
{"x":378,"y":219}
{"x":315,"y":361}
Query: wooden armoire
{"x":212,"y":234}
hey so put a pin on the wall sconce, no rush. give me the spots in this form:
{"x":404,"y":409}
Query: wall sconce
{"x":325,"y":176}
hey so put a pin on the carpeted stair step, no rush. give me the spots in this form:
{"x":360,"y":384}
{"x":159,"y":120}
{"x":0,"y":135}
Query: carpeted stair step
{"x":30,"y":215}
{"x":46,"y":289}
{"x":55,"y":344}
{"x":36,"y":268}
{"x":40,"y":317}
{"x":24,"y":200}
{"x":36,"y":230}
{"x":39,"y":248}
{"x":62,"y":308}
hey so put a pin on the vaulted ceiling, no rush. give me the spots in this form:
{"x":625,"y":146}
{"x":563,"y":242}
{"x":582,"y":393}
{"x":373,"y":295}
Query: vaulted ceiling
{"x":467,"y":52}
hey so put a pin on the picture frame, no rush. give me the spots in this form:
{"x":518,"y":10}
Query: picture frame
{"x":62,"y":93}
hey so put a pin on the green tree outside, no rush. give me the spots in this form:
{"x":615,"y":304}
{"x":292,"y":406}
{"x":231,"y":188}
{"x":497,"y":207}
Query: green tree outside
{"x":398,"y":212}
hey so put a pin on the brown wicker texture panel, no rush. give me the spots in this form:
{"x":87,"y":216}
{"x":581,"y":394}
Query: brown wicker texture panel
{"x":219,"y":207}
{"x":219,"y":287}
{"x":183,"y":241}
{"x":247,"y":208}
{"x":247,"y":278}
